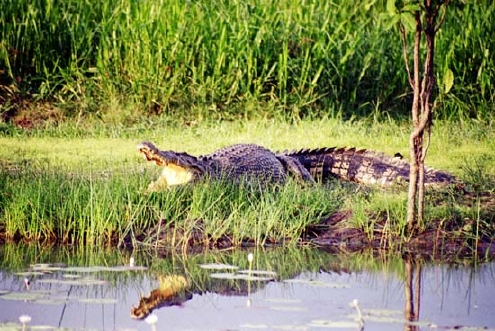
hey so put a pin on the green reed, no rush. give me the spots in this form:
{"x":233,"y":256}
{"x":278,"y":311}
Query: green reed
{"x":221,"y":59}
{"x":49,"y":204}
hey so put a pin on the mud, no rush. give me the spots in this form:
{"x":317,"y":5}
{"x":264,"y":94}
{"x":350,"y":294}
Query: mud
{"x":444,"y":239}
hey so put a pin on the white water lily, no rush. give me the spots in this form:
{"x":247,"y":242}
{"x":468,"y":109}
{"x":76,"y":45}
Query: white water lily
{"x":24,"y":319}
{"x":151,"y":319}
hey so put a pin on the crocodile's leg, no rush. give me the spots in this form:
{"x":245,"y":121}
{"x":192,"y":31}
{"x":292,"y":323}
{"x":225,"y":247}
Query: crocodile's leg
{"x":295,"y":168}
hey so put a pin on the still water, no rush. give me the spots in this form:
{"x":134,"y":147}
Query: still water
{"x":281,"y":289}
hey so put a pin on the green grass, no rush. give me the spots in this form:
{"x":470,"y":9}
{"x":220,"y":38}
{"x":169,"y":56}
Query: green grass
{"x":56,"y":185}
{"x":454,"y":145}
{"x":46,"y":204}
{"x":221,"y":59}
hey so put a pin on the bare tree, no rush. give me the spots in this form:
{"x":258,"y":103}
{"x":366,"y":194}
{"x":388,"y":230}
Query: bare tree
{"x":423,"y":18}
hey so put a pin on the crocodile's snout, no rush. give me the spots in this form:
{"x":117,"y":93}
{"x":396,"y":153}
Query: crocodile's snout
{"x":147,"y":150}
{"x":147,"y":147}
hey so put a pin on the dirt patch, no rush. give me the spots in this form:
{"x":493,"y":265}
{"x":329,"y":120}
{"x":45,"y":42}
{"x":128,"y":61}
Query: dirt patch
{"x":25,"y":112}
{"x":340,"y":237}
{"x":445,"y":238}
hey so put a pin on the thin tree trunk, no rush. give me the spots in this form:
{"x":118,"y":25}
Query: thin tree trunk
{"x":415,"y":135}
{"x":426,"y":91}
{"x":421,"y":109}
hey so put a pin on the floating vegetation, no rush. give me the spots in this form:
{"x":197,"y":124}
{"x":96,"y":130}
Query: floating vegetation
{"x":218,"y":266}
{"x":235,"y":276}
{"x":25,"y":296}
{"x":258,"y":272}
{"x":188,"y":282}
{"x":248,"y":274}
{"x":80,"y":281}
{"x":333,"y":324}
{"x":48,"y":268}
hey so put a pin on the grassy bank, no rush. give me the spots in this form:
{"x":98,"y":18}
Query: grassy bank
{"x":49,"y":204}
{"x":221,"y":59}
{"x":57,"y":185}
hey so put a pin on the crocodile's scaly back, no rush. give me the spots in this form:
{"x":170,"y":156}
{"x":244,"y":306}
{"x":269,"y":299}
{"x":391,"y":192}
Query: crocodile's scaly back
{"x":247,"y":162}
{"x":361,"y":166}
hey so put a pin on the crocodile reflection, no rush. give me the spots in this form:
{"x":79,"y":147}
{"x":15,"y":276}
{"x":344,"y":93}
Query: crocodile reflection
{"x":173,"y":291}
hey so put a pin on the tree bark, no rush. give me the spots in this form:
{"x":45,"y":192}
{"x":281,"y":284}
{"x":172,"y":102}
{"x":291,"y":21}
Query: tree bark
{"x":415,"y":137}
{"x":421,"y":110}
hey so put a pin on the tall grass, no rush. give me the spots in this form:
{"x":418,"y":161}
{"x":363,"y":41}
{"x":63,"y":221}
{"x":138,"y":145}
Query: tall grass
{"x":47,"y":204}
{"x":298,"y":57}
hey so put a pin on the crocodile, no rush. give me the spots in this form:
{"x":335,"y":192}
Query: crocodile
{"x":254,"y":163}
{"x":248,"y":163}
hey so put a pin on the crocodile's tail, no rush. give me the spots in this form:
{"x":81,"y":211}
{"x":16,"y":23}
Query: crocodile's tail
{"x":361,"y":166}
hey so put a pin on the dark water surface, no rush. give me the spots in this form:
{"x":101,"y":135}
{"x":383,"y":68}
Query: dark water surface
{"x":310,"y":290}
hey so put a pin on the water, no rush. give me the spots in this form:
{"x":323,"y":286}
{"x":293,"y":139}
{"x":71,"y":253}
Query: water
{"x":311,"y":290}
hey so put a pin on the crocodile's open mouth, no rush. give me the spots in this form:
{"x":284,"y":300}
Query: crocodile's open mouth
{"x":172,"y":173}
{"x":150,"y":153}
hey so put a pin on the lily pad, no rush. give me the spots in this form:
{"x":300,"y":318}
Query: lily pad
{"x":84,"y":269}
{"x":240,"y":277}
{"x":290,"y":327}
{"x":258,"y":272}
{"x":333,"y":324}
{"x":9,"y":326}
{"x":41,"y":327}
{"x":254,"y":326}
{"x":82,"y":281}
{"x":218,"y":266}
{"x":47,"y":267}
{"x":30,"y":273}
{"x":23,"y":296}
{"x":105,"y":269}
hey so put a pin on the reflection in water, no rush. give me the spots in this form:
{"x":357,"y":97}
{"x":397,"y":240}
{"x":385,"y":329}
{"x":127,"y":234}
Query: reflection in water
{"x":311,"y":288}
{"x":412,"y":291}
{"x":173,"y":291}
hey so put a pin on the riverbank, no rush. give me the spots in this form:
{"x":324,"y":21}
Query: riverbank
{"x":72,"y":187}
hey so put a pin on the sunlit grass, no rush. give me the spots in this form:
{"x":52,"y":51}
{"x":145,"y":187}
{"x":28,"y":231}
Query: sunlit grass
{"x":453,"y":145}
{"x":43,"y":204}
{"x":61,"y":186}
